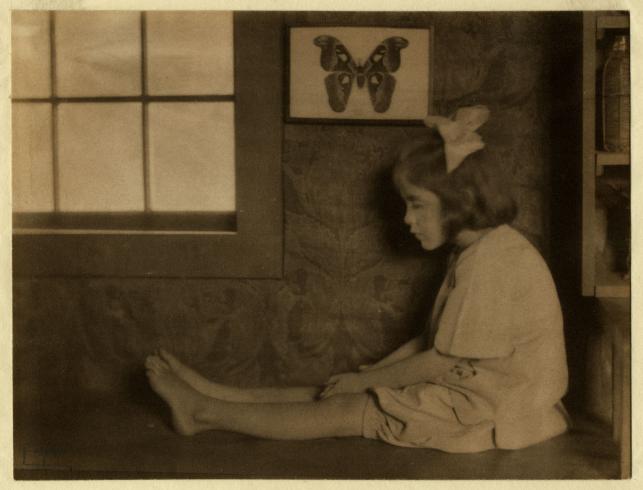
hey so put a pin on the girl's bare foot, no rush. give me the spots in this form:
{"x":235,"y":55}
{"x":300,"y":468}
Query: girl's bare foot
{"x":156,"y":364}
{"x":164,"y":361}
{"x":182,"y":399}
{"x":190,"y":376}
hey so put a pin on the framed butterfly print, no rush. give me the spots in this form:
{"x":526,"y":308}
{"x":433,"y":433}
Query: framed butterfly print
{"x":359,"y":74}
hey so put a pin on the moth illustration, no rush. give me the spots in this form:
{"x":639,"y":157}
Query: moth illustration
{"x":375,"y":72}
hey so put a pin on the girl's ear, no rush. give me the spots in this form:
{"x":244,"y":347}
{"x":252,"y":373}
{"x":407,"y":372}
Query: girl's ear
{"x":469,"y":197}
{"x":467,"y":208}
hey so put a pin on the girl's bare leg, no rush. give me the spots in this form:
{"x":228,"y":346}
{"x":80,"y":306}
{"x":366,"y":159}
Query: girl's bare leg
{"x":193,"y":412}
{"x":166,"y":361}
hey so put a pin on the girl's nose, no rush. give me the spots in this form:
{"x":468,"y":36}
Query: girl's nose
{"x":408,"y":217}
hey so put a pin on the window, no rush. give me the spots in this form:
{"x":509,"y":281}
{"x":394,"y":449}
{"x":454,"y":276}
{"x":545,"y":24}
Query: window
{"x":145,"y":144}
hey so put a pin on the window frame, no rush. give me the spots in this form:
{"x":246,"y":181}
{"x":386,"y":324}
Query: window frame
{"x":254,"y":249}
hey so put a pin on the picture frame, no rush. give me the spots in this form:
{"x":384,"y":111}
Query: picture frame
{"x":358,"y":75}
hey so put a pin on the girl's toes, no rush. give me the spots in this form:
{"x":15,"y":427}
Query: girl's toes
{"x":166,"y":356}
{"x":149,"y":361}
{"x":156,"y":366}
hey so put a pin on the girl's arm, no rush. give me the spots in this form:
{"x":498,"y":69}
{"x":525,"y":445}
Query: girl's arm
{"x":422,"y":367}
{"x":413,"y":346}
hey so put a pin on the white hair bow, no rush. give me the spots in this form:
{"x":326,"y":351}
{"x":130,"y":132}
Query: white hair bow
{"x":459,"y":133}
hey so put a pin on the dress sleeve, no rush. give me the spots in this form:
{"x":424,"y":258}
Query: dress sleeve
{"x":478,"y":317}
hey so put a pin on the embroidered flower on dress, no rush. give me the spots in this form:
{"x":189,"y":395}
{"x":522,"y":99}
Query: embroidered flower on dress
{"x":464,"y":370}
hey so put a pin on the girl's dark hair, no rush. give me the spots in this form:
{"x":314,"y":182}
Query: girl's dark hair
{"x":472,"y":196}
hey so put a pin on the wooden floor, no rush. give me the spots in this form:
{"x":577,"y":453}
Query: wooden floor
{"x":110,"y":438}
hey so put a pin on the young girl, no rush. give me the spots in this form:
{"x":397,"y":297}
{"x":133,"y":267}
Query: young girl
{"x":489,"y":371}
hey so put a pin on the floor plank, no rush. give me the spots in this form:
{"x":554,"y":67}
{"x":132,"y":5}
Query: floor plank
{"x":131,"y":439}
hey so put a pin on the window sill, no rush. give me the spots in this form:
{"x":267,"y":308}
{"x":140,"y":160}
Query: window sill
{"x":168,"y":255}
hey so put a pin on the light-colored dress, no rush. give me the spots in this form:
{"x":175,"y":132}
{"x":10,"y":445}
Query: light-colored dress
{"x":497,"y":339}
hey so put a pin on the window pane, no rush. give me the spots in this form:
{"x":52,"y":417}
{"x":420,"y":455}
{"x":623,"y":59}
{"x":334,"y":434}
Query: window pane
{"x":192,"y":156}
{"x":189,"y":53}
{"x":100,"y":157}
{"x":98,"y":53}
{"x":32,"y":158}
{"x":30,"y":59}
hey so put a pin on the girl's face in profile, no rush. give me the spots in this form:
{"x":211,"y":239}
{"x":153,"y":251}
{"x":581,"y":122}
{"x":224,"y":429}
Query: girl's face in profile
{"x":423,"y":215}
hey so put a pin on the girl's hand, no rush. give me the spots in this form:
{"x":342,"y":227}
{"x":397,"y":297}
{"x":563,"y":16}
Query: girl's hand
{"x":365,"y":367}
{"x":343,"y":383}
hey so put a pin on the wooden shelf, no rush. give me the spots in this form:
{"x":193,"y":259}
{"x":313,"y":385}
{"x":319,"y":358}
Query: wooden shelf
{"x":605,"y":158}
{"x":612,"y":291}
{"x":610,"y":159}
{"x":612,"y":22}
{"x":610,"y":284}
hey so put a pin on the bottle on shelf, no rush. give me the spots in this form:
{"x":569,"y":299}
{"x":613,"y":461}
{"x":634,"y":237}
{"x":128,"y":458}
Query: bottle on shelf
{"x":616,"y":97}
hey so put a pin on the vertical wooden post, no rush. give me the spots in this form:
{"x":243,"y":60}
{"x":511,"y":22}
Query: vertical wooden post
{"x":589,"y":143}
